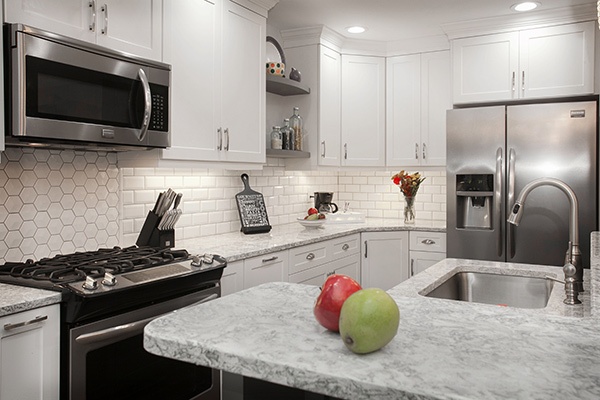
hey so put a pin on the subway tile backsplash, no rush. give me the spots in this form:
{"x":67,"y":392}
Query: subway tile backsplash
{"x":56,"y":202}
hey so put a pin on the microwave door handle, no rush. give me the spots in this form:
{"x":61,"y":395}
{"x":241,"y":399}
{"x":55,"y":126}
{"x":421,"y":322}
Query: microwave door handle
{"x":147,"y":105}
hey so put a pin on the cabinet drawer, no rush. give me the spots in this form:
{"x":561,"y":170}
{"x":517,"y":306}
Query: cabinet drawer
{"x":428,"y":241}
{"x":346,"y":246}
{"x":267,"y":268}
{"x":309,"y":256}
{"x":316,"y":276}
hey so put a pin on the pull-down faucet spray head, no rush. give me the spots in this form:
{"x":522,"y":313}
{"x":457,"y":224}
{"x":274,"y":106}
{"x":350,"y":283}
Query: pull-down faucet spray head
{"x":516,"y":214}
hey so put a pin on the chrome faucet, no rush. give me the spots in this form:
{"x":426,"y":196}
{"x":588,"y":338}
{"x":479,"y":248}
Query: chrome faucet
{"x":573,"y":268}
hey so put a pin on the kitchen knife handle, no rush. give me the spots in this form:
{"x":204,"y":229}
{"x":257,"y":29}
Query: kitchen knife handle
{"x":92,"y":5}
{"x":498,"y":202}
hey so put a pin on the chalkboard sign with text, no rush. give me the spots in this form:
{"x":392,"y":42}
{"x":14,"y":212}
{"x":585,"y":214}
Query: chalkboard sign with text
{"x":252,"y":209}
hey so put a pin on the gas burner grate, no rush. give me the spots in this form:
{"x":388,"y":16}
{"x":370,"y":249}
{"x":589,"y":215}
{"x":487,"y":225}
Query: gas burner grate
{"x":76,"y":266}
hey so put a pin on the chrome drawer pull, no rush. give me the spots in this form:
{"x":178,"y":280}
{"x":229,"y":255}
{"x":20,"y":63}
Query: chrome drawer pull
{"x":428,"y":241}
{"x":269,"y":259}
{"x":310,"y":256}
{"x":39,"y":318}
{"x":345,"y":247}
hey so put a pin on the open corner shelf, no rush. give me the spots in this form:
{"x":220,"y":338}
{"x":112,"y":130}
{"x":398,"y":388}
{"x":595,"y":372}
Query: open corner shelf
{"x":285,"y":87}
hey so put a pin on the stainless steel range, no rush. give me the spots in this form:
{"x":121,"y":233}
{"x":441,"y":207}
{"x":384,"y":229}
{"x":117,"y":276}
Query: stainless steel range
{"x":109,"y":295}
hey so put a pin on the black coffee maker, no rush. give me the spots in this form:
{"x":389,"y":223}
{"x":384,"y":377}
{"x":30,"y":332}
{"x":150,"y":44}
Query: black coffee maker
{"x":323,"y":202}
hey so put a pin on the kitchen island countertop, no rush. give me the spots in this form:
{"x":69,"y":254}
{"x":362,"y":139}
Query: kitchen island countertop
{"x":443,"y":350}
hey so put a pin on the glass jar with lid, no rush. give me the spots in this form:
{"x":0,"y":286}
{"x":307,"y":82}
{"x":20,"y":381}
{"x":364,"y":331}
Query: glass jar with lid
{"x":287,"y":135}
{"x":296,"y":124}
{"x":276,"y":141}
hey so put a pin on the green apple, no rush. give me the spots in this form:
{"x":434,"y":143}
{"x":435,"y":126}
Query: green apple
{"x":369,"y":320}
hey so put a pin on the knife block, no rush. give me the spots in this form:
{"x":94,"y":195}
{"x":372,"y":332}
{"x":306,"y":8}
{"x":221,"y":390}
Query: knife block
{"x":150,"y":235}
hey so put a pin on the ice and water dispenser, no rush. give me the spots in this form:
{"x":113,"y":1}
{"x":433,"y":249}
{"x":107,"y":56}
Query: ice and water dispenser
{"x":474,"y":198}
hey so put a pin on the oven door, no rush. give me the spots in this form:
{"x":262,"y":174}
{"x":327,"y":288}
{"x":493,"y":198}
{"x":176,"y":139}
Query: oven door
{"x":81,"y":96}
{"x":108,"y":360}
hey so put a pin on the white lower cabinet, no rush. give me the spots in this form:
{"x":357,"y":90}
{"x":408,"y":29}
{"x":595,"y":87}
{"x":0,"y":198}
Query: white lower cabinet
{"x":233,"y":278}
{"x":384,"y":262}
{"x":426,"y":249}
{"x":272,"y":267}
{"x":29,"y":354}
{"x":312,"y":264}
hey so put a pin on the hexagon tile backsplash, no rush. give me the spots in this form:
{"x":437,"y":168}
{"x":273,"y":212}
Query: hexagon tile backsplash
{"x":57,"y":202}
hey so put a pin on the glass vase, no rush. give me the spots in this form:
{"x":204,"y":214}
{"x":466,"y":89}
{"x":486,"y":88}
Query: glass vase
{"x":409,"y":210}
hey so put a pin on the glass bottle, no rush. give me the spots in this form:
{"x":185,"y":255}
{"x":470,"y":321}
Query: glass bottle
{"x":296,"y":124}
{"x":276,"y":138}
{"x":287,"y":135}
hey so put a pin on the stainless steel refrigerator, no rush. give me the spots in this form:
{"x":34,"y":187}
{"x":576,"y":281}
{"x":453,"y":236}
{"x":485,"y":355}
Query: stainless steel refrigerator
{"x":492,"y":152}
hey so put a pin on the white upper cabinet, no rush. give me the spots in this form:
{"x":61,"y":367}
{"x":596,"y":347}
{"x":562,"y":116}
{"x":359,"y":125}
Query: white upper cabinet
{"x":363,"y":111}
{"x":218,"y":81}
{"x":418,"y":95}
{"x":536,"y":63}
{"x":133,"y":26}
{"x":330,"y":97}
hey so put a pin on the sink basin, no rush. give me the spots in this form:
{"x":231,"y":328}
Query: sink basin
{"x":505,"y":290}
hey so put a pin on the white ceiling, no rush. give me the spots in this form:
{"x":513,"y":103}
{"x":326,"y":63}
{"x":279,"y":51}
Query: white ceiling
{"x":393,"y":20}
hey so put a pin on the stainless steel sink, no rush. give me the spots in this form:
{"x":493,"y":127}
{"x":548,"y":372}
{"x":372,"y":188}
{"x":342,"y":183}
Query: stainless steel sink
{"x":505,"y":290}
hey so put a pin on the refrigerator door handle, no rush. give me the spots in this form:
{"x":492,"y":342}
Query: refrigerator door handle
{"x":510,"y":233}
{"x":498,"y":202}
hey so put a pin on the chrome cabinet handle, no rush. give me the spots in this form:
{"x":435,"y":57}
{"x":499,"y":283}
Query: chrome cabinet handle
{"x":523,"y":82}
{"x":330,"y":273}
{"x":345,"y":247}
{"x":365,"y":249}
{"x":226,"y":139}
{"x":266,"y":260}
{"x":428,"y":241}
{"x":147,"y":105}
{"x":416,"y":151}
{"x":324,"y":149}
{"x":38,"y":319}
{"x":498,"y":201}
{"x":412,"y":267}
{"x":310,"y":256}
{"x":345,"y":151}
{"x":514,"y":75}
{"x":220,"y":138}
{"x":104,"y":9}
{"x":92,"y":6}
{"x":424,"y":151}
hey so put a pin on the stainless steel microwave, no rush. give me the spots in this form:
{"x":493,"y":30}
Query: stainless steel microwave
{"x":65,"y":93}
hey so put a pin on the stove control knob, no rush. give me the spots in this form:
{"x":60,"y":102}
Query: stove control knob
{"x":90,"y":283}
{"x":197,"y":260}
{"x":109,"y":279}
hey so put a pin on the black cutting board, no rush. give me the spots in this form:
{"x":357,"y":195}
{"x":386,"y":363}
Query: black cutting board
{"x":252,"y":209}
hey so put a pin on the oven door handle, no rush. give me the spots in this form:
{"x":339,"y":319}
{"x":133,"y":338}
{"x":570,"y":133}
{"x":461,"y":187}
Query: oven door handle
{"x":127,"y":330}
{"x":147,"y":105}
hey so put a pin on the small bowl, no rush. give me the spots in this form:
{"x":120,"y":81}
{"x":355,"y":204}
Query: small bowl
{"x":311,"y":224}
{"x":276,"y":68}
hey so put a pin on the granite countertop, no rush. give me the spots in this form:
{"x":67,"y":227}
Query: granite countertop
{"x":14,"y":299}
{"x":443,"y":350}
{"x":237,"y":246}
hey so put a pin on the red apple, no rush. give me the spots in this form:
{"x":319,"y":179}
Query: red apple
{"x":336,"y":289}
{"x":312,"y":211}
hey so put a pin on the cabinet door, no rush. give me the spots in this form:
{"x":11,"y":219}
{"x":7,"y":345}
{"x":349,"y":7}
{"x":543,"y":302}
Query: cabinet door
{"x":193,"y":80}
{"x":363,"y":111}
{"x":73,"y":18}
{"x":485,"y":68}
{"x":233,"y":278}
{"x":243,"y":89}
{"x":29,"y":355}
{"x":271,"y":267}
{"x":330,"y":97}
{"x":403,"y":128}
{"x":436,"y":99}
{"x":384,"y":259}
{"x":421,"y":260}
{"x":133,"y":26}
{"x":557,"y":61}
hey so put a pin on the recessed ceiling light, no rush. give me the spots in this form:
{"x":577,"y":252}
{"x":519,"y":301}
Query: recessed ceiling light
{"x":525,"y":6}
{"x":356,"y":29}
